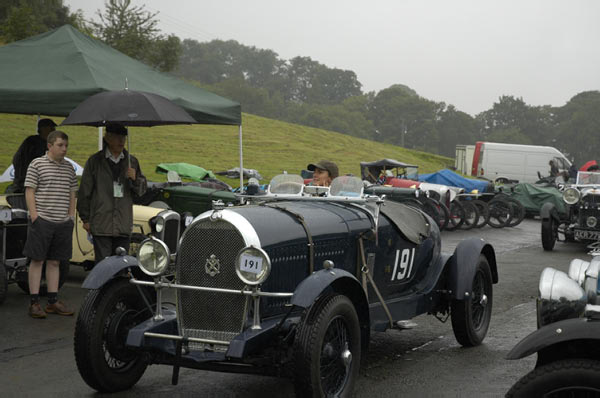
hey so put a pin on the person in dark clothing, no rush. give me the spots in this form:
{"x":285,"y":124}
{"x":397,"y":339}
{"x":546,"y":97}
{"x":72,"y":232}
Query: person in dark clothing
{"x":111,"y":178}
{"x":32,"y":147}
{"x":554,"y":172}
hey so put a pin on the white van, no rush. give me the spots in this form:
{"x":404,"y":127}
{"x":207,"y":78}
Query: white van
{"x":512,"y":162}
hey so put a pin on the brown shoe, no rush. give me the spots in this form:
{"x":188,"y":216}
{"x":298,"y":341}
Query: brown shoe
{"x":35,"y":311}
{"x":59,"y":308}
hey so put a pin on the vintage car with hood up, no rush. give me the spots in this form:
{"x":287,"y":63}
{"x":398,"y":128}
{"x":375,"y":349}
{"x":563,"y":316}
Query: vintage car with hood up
{"x":582,"y":220}
{"x":290,"y":283}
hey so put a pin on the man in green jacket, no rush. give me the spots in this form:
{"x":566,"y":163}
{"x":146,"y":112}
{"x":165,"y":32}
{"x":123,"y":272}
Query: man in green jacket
{"x":111,"y":178}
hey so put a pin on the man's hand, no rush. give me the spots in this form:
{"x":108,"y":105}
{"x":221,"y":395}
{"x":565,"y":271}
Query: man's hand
{"x":86,"y":226}
{"x":131,"y":173}
{"x":33,"y":216}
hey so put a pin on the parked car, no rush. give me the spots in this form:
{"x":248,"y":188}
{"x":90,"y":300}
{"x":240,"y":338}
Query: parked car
{"x":581,"y":220}
{"x":567,"y":341}
{"x":290,"y":284}
{"x":161,"y":223}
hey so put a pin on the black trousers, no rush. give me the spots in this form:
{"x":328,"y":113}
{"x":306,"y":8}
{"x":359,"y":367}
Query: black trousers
{"x":105,"y":246}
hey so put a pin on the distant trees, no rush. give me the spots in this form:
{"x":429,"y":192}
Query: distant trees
{"x":133,"y":31}
{"x":20,"y":19}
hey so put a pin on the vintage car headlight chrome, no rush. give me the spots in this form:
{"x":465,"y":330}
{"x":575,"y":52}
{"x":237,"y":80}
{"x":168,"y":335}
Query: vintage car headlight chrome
{"x":153,"y":256}
{"x":556,"y":285}
{"x":577,"y":270}
{"x":591,"y":221}
{"x":571,"y":196}
{"x":160,"y":224}
{"x":252,"y":265}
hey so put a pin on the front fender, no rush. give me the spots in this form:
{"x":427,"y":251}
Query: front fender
{"x":106,"y":269}
{"x":555,"y":333}
{"x":310,"y":288}
{"x":463,"y":264}
{"x":549,"y":210}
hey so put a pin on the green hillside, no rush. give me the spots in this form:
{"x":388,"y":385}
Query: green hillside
{"x":270,"y":146}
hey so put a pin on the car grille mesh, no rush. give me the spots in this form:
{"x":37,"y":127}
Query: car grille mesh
{"x":210,"y":315}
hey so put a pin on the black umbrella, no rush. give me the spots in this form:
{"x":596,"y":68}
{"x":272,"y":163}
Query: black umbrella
{"x":129,"y":108}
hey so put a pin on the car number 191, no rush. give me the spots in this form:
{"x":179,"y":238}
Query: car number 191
{"x":251,"y":264}
{"x":403,"y":264}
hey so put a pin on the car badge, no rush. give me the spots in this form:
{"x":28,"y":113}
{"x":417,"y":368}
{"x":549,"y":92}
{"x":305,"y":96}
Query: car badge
{"x":212,"y":265}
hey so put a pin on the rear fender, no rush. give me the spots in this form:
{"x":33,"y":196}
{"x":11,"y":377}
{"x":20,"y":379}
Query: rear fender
{"x":549,"y":210}
{"x":552,"y":338}
{"x":108,"y":268}
{"x":463,"y":264}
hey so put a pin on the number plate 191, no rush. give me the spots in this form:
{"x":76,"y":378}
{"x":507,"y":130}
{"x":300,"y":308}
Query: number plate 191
{"x":251,"y":264}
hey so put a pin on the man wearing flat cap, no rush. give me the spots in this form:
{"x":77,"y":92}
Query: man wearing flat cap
{"x":111,"y":178}
{"x":323,"y":172}
{"x":32,"y":147}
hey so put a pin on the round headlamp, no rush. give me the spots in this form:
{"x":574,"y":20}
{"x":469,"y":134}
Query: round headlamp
{"x":153,"y":256}
{"x":556,"y":285}
{"x":571,"y":196}
{"x":577,"y":270}
{"x":591,"y":221}
{"x":252,"y":265}
{"x":160,"y":224}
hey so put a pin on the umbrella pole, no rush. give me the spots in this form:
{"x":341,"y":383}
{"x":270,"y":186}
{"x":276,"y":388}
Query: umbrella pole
{"x":128,"y":151}
{"x":100,"y":138}
{"x":241,"y":165}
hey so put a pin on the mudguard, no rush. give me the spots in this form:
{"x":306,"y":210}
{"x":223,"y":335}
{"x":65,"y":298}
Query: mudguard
{"x":106,"y":269}
{"x":557,"y":332}
{"x":549,"y":210}
{"x":310,"y":288}
{"x":463,"y":263}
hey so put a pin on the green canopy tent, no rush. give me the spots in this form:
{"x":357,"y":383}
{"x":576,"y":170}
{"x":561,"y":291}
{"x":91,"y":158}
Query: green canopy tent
{"x":53,"y":72}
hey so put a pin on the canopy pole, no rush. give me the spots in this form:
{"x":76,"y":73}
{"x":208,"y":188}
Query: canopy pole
{"x":241,"y":164}
{"x":100,"y":138}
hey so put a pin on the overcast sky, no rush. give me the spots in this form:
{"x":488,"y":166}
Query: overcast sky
{"x":463,"y":52}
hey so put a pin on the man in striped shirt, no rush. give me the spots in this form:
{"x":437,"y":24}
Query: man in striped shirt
{"x":50,"y":187}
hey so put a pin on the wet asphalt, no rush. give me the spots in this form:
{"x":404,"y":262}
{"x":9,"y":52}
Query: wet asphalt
{"x":36,"y":356}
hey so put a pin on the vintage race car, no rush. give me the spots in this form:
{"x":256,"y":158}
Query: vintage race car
{"x":291,"y":283}
{"x":567,"y":341}
{"x":582,"y":220}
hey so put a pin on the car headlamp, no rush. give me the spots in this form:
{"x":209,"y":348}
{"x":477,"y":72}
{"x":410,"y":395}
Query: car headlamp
{"x":153,"y":256}
{"x":252,"y":265}
{"x":560,"y":297}
{"x":591,"y":221}
{"x":160,"y":224}
{"x":577,"y":270}
{"x":571,"y":196}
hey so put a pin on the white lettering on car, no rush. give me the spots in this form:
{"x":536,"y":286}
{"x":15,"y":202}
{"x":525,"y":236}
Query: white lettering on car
{"x":403,"y":264}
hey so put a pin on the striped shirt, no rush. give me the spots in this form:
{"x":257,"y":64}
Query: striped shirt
{"x":53,"y":183}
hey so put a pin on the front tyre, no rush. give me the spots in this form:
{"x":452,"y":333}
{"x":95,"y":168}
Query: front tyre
{"x":327,"y":349}
{"x":565,"y":378}
{"x":549,"y":233}
{"x":471,"y":317}
{"x":105,"y":318}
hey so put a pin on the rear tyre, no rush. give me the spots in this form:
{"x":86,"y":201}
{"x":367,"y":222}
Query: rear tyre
{"x":484,"y":212}
{"x":471,"y":215}
{"x":549,"y":233}
{"x":518,"y":212}
{"x":501,"y":213}
{"x":457,"y":215}
{"x":3,"y":283}
{"x":23,"y":278}
{"x":327,"y":349}
{"x":105,"y":318}
{"x":564,"y":378}
{"x":471,"y":317}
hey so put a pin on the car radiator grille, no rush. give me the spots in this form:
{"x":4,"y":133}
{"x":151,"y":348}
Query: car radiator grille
{"x":210,"y":315}
{"x":588,"y":207}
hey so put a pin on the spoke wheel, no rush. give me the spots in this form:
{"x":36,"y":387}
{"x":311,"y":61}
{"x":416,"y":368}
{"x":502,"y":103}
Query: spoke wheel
{"x":484,"y":212}
{"x":471,"y":214}
{"x":105,"y":318}
{"x":327,"y":349}
{"x":471,"y":316}
{"x":501,"y":213}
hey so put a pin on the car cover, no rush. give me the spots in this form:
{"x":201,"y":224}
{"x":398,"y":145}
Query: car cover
{"x":410,"y":222}
{"x":533,"y":197}
{"x":186,"y":170}
{"x":450,"y":178}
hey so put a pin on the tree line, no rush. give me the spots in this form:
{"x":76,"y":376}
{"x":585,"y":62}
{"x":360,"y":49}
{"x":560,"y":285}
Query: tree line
{"x":302,"y":90}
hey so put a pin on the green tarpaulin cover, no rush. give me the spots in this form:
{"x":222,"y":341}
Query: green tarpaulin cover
{"x":52,"y":73}
{"x":534,"y":196}
{"x":186,"y":170}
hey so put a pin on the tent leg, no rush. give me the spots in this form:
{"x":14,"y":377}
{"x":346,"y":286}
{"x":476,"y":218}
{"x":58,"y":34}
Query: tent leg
{"x":241,"y":165}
